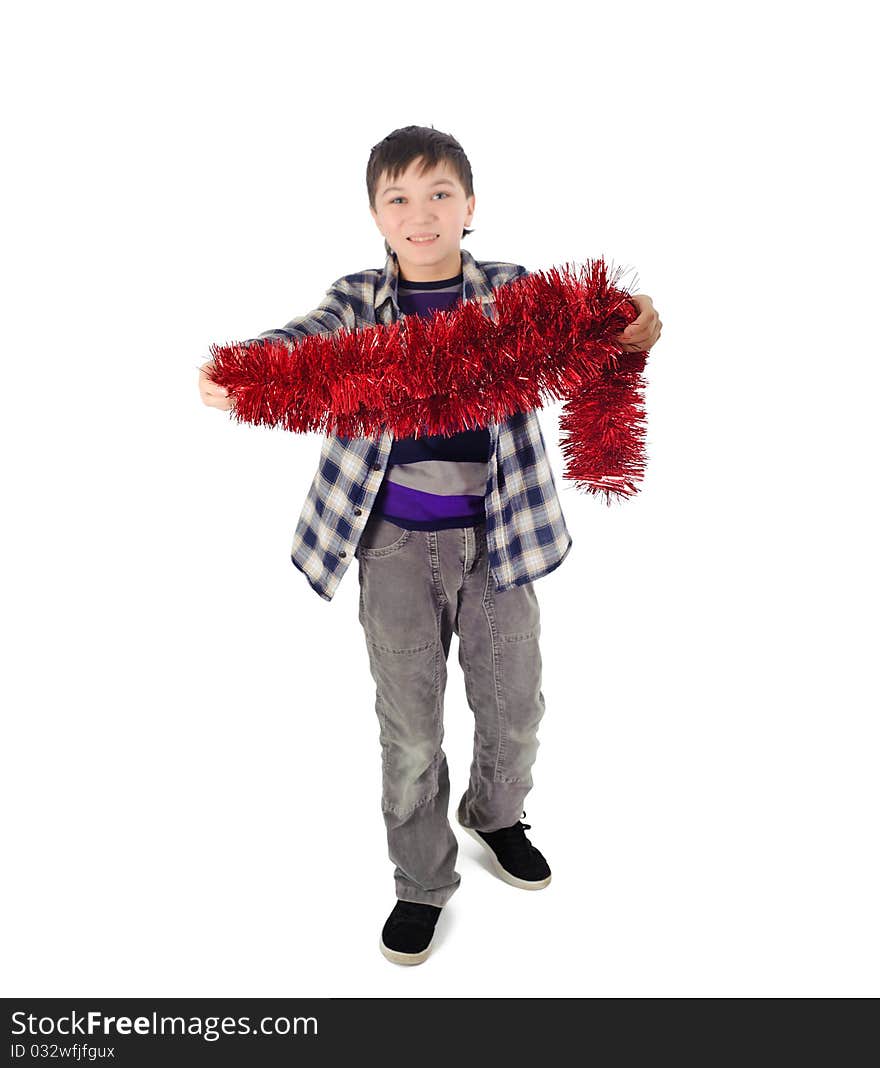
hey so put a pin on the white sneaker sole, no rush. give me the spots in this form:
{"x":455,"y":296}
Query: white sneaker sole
{"x":396,"y":957}
{"x":500,"y":871}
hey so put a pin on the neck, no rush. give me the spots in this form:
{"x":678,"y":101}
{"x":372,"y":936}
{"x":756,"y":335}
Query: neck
{"x":448,"y":267}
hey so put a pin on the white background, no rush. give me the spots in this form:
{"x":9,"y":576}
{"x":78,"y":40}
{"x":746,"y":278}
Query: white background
{"x":191,"y":778}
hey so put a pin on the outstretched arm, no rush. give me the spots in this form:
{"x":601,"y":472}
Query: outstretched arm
{"x":334,"y":311}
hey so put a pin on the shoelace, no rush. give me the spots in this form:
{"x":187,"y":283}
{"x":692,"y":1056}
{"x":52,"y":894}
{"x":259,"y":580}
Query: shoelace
{"x":514,"y":838}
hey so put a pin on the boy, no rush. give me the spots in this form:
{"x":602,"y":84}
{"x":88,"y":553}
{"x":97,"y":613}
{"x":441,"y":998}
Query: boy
{"x":450,"y":532}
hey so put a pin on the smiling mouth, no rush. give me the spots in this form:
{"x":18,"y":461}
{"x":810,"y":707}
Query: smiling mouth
{"x":423,"y":240}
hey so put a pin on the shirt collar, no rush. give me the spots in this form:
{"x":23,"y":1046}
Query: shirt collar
{"x":474,"y":284}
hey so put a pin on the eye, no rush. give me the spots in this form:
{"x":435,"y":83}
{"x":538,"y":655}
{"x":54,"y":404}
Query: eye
{"x":439,"y":193}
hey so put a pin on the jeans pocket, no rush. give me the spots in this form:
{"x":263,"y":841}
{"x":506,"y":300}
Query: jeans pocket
{"x":515,"y":612}
{"x":381,"y":537}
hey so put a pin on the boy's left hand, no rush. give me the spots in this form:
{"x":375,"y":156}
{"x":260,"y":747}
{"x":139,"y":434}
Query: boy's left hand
{"x":643,"y":332}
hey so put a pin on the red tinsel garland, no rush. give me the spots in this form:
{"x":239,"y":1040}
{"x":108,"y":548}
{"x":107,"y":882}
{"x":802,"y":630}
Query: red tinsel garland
{"x":547,"y":334}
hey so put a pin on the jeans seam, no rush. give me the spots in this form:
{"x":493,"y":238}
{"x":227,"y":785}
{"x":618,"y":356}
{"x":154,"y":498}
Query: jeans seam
{"x":436,"y":571}
{"x":420,"y":803}
{"x":497,"y":773}
{"x":438,"y":653}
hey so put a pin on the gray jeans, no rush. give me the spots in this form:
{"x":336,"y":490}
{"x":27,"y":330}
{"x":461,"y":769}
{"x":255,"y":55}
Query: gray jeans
{"x":416,"y":588}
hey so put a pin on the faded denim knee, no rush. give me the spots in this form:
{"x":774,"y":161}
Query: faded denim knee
{"x":411,"y":728}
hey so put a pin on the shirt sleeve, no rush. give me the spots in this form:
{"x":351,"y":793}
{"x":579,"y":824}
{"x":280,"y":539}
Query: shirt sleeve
{"x":333,"y":312}
{"x":514,"y":272}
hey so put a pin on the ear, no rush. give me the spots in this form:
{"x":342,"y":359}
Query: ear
{"x":471,"y":204}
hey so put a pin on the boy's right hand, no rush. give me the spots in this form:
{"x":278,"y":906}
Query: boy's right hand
{"x":213,"y":395}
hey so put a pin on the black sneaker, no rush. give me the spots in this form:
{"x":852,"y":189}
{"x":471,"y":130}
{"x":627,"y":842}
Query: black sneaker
{"x":409,"y":931}
{"x":513,"y":856}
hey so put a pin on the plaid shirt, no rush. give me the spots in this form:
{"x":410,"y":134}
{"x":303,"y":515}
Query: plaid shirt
{"x":525,"y":528}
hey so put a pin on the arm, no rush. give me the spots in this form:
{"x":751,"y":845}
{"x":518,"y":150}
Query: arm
{"x":334,"y":311}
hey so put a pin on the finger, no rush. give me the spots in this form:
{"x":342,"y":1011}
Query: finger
{"x":644,"y":328}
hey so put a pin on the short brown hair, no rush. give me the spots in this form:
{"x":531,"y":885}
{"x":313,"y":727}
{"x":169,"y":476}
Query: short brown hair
{"x":394,"y":153}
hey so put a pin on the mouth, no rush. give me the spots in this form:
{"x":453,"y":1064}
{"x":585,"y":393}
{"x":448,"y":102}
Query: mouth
{"x":420,"y":240}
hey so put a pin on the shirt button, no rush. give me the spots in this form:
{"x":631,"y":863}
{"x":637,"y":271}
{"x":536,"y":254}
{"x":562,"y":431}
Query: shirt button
{"x":357,"y":511}
{"x":377,"y":467}
{"x":342,"y":552}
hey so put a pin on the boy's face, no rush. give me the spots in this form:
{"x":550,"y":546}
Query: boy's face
{"x":429,"y":203}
